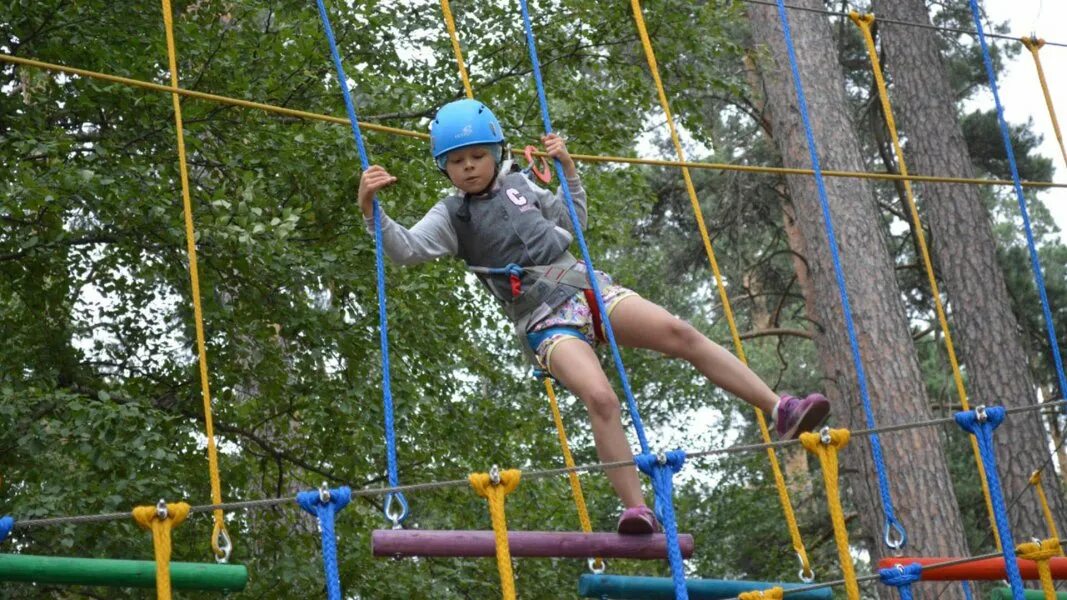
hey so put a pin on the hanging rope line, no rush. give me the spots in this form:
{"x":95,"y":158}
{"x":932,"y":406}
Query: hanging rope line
{"x":825,"y":446}
{"x":1034,"y":45}
{"x":892,"y":525}
{"x":980,"y":423}
{"x":834,"y":13}
{"x":1035,"y":480}
{"x":494,"y":486}
{"x":779,"y":479}
{"x":450,"y":23}
{"x":1035,"y":262}
{"x":628,"y":160}
{"x":325,"y":503}
{"x":865,"y":22}
{"x":7,"y":523}
{"x":529,"y":475}
{"x":161,"y":519}
{"x":661,"y":470}
{"x":220,"y":538}
{"x":398,"y":514}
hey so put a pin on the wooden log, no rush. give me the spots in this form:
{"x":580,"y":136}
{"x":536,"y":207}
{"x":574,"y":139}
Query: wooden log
{"x":987,"y":569}
{"x":119,"y":573}
{"x":619,"y":587}
{"x":1004,"y":593}
{"x":527,"y":544}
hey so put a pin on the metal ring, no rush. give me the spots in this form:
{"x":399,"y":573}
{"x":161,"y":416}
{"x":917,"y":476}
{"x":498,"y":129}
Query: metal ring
{"x":224,"y":545}
{"x":593,"y":565}
{"x":661,"y":458}
{"x":396,"y":517}
{"x":161,"y":510}
{"x":494,"y":475}
{"x":806,"y":573}
{"x":979,"y":413}
{"x":324,"y":493}
{"x":824,"y":435}
{"x":891,"y":528}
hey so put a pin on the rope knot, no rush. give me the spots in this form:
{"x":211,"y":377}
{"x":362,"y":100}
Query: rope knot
{"x":483,"y":483}
{"x":147,"y":515}
{"x":901,"y":575}
{"x":970,"y":421}
{"x":864,"y":20}
{"x":1039,"y":551}
{"x":649,"y":462}
{"x":7,"y":523}
{"x":337,"y":498}
{"x":814,"y":441}
{"x":775,"y":593}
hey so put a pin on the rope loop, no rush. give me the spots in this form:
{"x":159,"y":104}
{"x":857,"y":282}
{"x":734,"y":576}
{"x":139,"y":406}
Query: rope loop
{"x":324,"y":503}
{"x":825,"y":446}
{"x":661,"y":468}
{"x":1041,"y":552}
{"x":495,"y":492}
{"x":160,"y":519}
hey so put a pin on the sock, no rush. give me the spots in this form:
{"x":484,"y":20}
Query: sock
{"x":774,"y":411}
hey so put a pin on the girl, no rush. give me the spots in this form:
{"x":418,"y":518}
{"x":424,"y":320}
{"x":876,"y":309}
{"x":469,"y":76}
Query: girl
{"x":514,"y":236}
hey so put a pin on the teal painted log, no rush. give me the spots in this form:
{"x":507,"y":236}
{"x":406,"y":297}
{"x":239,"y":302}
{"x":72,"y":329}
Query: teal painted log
{"x":1004,"y":593}
{"x":619,"y":587}
{"x":119,"y":573}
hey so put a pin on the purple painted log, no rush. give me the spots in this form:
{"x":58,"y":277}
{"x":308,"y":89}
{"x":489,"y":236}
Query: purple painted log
{"x":528,"y":544}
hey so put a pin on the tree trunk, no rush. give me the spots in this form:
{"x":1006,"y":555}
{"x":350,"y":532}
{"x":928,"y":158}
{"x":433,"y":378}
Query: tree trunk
{"x":965,"y":252}
{"x":917,"y":467}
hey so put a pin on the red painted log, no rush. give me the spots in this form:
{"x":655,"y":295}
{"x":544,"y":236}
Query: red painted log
{"x":528,"y":544}
{"x":987,"y":569}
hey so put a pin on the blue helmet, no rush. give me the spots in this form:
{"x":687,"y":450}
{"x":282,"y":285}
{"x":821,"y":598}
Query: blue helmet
{"x":460,"y":124}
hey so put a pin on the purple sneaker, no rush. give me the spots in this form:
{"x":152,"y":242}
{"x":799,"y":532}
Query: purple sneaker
{"x":638,"y":520}
{"x":797,"y":415}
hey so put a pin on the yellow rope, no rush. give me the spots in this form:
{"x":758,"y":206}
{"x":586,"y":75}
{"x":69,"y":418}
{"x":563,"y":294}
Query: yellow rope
{"x":1035,"y":480}
{"x":779,"y":479}
{"x":629,"y":160}
{"x":451,"y":24}
{"x":827,"y":454}
{"x":148,"y":518}
{"x":1034,"y":45}
{"x":495,"y":493}
{"x":1041,"y":552}
{"x":190,"y":241}
{"x":864,"y":22}
{"x":775,"y":593}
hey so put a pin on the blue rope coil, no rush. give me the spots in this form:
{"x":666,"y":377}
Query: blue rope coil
{"x":901,"y":577}
{"x":7,"y":523}
{"x":982,"y":429}
{"x":325,"y":504}
{"x":661,"y":472}
{"x":635,"y":416}
{"x":892,"y":525}
{"x":1035,"y":262}
{"x":379,"y":263}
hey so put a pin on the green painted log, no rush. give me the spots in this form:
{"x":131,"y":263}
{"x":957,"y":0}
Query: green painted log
{"x":119,"y":573}
{"x":1004,"y":593}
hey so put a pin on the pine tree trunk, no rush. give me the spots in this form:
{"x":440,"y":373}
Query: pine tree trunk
{"x":916,"y":464}
{"x":965,"y":253}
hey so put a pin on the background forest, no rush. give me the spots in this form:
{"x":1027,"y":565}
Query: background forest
{"x":100,"y":405}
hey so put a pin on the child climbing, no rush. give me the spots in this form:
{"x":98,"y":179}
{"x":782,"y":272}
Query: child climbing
{"x":515,"y":236}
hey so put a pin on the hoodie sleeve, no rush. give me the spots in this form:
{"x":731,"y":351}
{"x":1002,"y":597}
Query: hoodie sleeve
{"x":430,"y":238}
{"x":554,"y":206}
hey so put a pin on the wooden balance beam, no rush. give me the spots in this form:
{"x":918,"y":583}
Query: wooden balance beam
{"x":120,"y":573}
{"x":1004,"y":593}
{"x":619,"y":587}
{"x":987,"y":569}
{"x":525,"y":544}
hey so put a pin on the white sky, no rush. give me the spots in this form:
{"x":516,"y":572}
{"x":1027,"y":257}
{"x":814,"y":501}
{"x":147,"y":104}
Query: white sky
{"x":1020,"y":90}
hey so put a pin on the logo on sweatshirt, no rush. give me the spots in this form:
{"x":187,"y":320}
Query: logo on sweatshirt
{"x":519,"y":200}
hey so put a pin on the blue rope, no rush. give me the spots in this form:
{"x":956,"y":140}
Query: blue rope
{"x":7,"y":523}
{"x":1035,"y":263}
{"x":379,"y":263}
{"x":630,"y":402}
{"x":902,"y":577}
{"x":983,"y":432}
{"x":891,"y":522}
{"x":662,"y":476}
{"x":967,"y":595}
{"x":313,"y":503}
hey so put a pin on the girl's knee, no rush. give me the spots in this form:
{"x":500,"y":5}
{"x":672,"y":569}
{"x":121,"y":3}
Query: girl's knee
{"x":683,"y":338}
{"x":602,"y":404}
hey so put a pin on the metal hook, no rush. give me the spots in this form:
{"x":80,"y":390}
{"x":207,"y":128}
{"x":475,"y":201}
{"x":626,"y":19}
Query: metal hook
{"x":661,"y":458}
{"x":223,"y":543}
{"x":494,"y":475}
{"x":824,"y":435}
{"x":806,"y":573}
{"x":597,"y":570}
{"x":396,"y":516}
{"x":979,"y":413}
{"x":161,"y":510}
{"x":324,"y":493}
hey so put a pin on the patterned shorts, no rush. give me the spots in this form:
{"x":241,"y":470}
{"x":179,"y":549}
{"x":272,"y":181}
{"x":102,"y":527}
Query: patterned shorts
{"x":575,"y":314}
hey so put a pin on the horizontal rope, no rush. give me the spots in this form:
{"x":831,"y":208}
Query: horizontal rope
{"x":589,"y":158}
{"x":881,"y":19}
{"x":529,"y":475}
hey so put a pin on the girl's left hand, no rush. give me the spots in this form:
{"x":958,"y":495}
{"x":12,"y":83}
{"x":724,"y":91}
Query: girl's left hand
{"x":556,"y":147}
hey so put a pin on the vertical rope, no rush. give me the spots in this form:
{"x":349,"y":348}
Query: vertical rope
{"x":1041,"y":552}
{"x":324,"y":504}
{"x":379,"y":263}
{"x":495,"y":493}
{"x":160,"y":521}
{"x":7,"y":523}
{"x":902,"y":577}
{"x":779,"y":479}
{"x":891,"y":523}
{"x":219,"y":531}
{"x":1035,"y":480}
{"x":825,"y":447}
{"x":864,"y":22}
{"x":1035,"y":262}
{"x":661,"y":469}
{"x":981,"y":422}
{"x":451,"y":24}
{"x":1034,"y":45}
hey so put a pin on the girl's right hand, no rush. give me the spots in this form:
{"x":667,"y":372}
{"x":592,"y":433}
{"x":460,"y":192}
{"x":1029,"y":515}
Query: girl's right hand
{"x":372,"y":180}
